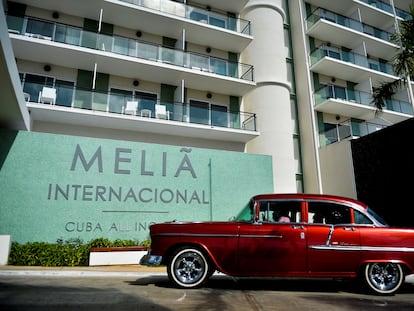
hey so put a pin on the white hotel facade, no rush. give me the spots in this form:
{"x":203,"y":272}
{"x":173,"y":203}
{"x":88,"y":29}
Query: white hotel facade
{"x":288,"y":78}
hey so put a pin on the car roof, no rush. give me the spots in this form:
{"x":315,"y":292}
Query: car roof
{"x":310,"y":196}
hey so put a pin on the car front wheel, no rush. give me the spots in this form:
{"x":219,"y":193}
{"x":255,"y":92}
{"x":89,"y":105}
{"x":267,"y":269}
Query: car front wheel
{"x":384,"y":278}
{"x":188,"y":268}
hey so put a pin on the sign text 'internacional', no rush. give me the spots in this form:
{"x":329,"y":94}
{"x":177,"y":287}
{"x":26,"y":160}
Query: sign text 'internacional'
{"x":123,"y":158}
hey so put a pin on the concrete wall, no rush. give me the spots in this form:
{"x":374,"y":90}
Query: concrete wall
{"x":337,"y":169}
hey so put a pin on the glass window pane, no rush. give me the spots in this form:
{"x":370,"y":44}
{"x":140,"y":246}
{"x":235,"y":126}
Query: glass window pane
{"x":89,"y":39}
{"x":198,"y":61}
{"x":218,"y":66}
{"x":64,"y":92}
{"x":199,"y":112}
{"x":40,"y":28}
{"x":147,"y":51}
{"x":68,"y":35}
{"x":218,"y":115}
{"x":219,"y":22}
{"x":118,"y":99}
{"x":198,"y":16}
{"x":340,"y":92}
{"x":331,"y":134}
{"x":121,"y":45}
{"x":33,"y":85}
{"x":146,"y":101}
{"x":328,"y":213}
{"x":15,"y":23}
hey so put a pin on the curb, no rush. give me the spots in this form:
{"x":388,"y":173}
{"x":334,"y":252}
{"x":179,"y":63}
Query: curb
{"x":90,"y":271}
{"x":77,"y":273}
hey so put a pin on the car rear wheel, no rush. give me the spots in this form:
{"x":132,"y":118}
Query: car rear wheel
{"x":188,"y":268}
{"x":384,"y":278}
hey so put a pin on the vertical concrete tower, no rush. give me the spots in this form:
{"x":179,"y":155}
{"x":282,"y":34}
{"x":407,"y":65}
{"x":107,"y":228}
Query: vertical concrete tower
{"x":271,"y":98}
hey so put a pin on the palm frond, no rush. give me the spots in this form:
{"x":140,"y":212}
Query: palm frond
{"x":383,"y":92}
{"x":403,"y":63}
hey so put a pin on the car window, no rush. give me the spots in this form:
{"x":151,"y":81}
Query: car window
{"x":361,"y":218}
{"x":280,"y":211}
{"x":328,"y":213}
{"x":246,"y":214}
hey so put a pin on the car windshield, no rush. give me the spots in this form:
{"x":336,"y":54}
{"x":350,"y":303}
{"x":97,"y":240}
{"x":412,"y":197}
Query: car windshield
{"x":376,"y":216}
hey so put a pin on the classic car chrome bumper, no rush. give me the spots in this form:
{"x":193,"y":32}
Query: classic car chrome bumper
{"x":150,"y":260}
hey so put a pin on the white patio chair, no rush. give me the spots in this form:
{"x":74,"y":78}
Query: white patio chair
{"x":161,"y":112}
{"x":131,"y":107}
{"x":48,"y":95}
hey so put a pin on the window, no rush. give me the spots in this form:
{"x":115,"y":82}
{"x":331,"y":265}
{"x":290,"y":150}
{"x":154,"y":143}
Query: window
{"x":217,"y":21}
{"x":204,"y":113}
{"x":280,"y":211}
{"x":361,"y":218}
{"x":340,"y":92}
{"x":64,"y":92}
{"x":199,"y":16}
{"x":330,"y":132}
{"x":146,"y":102}
{"x":118,"y":99}
{"x":69,"y":35}
{"x":33,"y":85}
{"x":328,"y":213}
{"x":199,"y":112}
{"x":218,"y":66}
{"x":124,"y":46}
{"x":40,"y":28}
{"x":219,"y":115}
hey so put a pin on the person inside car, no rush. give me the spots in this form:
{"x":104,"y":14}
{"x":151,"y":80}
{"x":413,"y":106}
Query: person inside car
{"x":281,"y":217}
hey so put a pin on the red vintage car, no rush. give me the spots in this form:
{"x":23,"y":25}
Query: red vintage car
{"x":288,"y":235}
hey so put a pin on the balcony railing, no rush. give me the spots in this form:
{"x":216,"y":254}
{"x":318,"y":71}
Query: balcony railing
{"x":388,"y":8}
{"x":347,"y":130}
{"x":195,"y":14}
{"x":350,"y":57}
{"x":56,"y":32}
{"x":141,"y":107}
{"x":362,"y":98}
{"x":347,"y":22}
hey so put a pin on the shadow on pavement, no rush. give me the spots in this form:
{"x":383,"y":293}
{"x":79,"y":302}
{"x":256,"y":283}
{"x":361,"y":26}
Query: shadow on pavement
{"x":274,"y":284}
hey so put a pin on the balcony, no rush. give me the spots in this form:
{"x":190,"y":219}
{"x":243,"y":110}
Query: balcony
{"x":48,"y":42}
{"x":341,"y":101}
{"x":195,"y":14}
{"x":349,"y":129}
{"x":121,"y":111}
{"x":349,"y":66}
{"x":164,"y":18}
{"x":386,"y":7}
{"x":343,"y":31}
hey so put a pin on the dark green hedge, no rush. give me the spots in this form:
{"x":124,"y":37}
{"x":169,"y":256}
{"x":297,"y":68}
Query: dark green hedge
{"x":62,"y":253}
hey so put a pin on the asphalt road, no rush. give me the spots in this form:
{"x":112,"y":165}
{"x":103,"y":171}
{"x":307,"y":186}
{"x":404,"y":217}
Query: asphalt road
{"x":152,"y":291}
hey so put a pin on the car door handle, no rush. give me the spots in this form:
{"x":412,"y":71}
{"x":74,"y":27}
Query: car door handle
{"x":298,"y":227}
{"x":349,"y":228}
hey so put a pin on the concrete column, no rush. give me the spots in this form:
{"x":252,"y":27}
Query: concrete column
{"x":270,"y":100}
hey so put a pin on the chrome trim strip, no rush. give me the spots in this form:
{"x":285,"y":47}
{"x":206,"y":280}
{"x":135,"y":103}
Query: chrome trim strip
{"x":364,"y":248}
{"x":278,"y":236}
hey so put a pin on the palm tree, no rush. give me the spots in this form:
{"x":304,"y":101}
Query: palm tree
{"x":403,"y":64}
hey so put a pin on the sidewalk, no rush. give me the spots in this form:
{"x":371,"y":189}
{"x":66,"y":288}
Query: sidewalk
{"x":89,"y":271}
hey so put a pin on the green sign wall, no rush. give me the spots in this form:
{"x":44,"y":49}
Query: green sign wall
{"x":62,"y":187}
